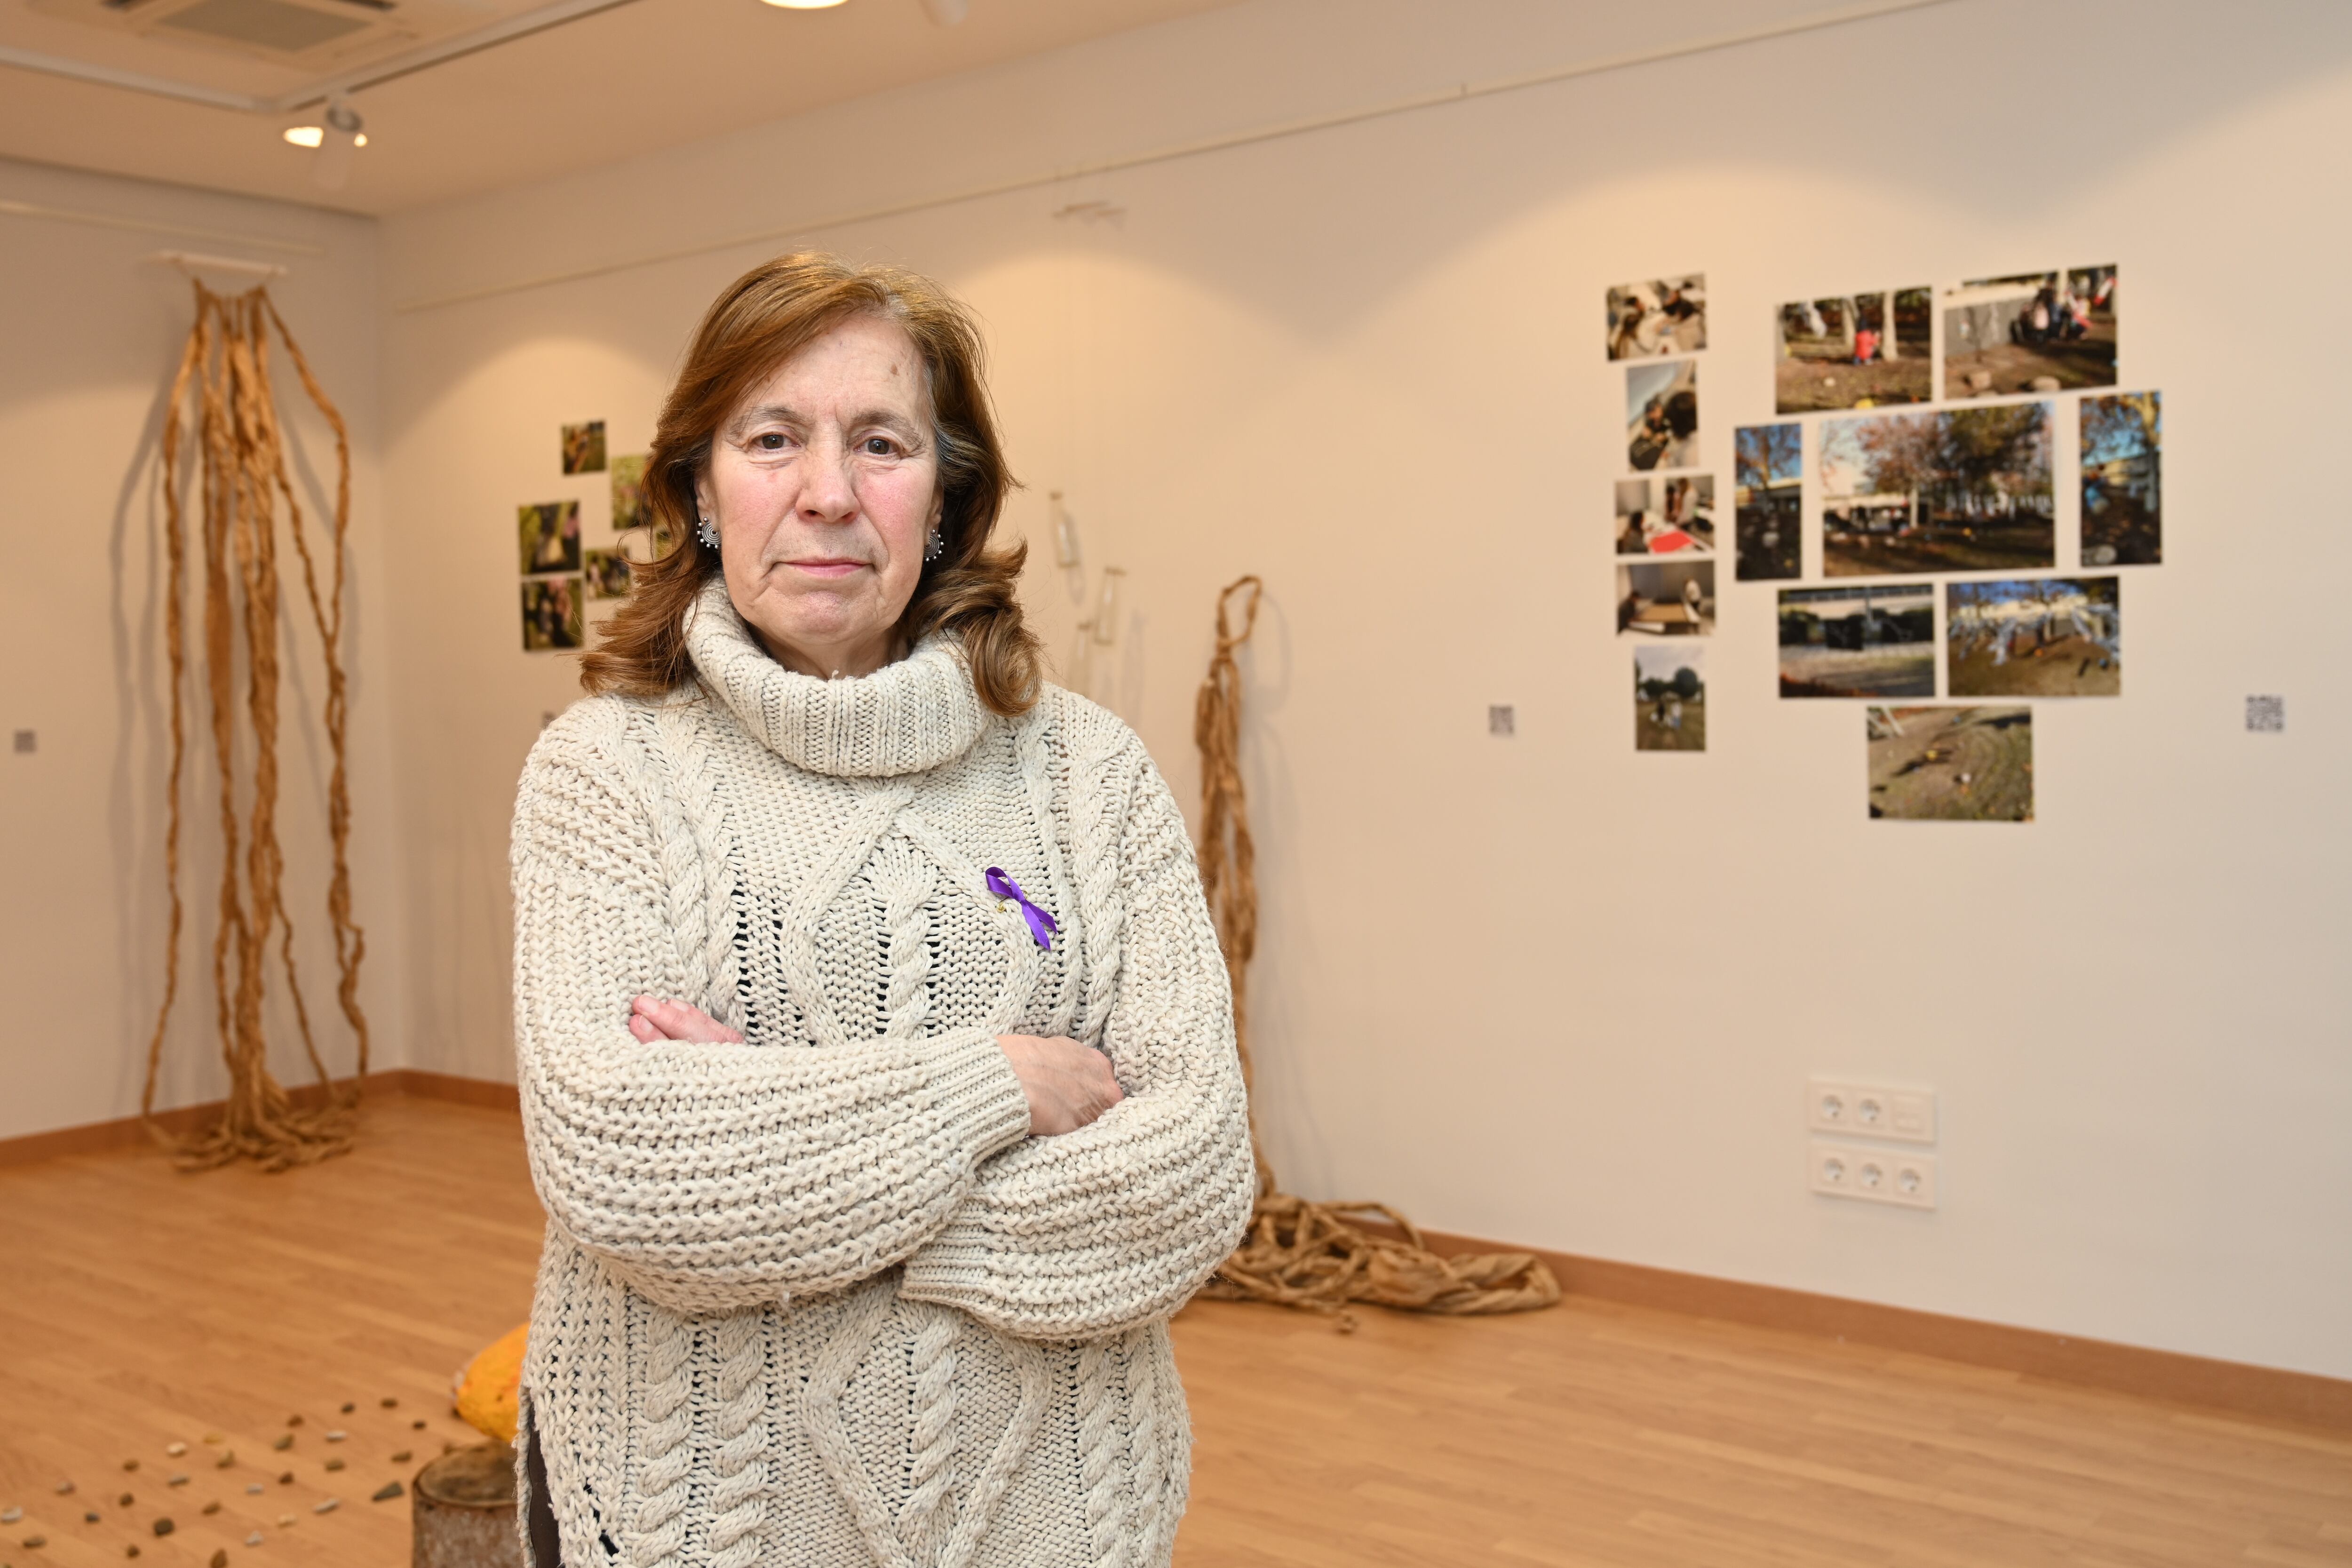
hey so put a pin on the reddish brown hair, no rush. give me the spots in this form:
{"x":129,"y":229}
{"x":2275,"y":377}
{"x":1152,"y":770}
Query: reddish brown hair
{"x":762,"y":319}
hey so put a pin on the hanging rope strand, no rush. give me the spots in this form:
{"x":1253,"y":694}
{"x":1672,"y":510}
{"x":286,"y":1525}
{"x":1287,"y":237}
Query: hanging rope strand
{"x":1299,"y":1253}
{"x":243,"y":476}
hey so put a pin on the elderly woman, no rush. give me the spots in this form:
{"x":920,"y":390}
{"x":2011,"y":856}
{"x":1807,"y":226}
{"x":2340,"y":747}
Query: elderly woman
{"x":876,"y":1059}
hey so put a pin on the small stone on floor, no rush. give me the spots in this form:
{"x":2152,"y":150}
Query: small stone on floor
{"x":253,"y":1540}
{"x":175,"y":1449}
{"x":164,"y":1526}
{"x":213,"y":1507}
{"x":330,"y":1506}
{"x":386,"y":1492}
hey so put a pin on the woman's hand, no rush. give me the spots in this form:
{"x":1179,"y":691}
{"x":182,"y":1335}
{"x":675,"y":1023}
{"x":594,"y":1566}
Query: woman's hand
{"x":654,"y":1020}
{"x":1068,"y":1084}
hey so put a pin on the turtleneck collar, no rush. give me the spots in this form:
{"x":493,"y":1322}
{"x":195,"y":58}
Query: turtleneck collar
{"x":903,"y":719}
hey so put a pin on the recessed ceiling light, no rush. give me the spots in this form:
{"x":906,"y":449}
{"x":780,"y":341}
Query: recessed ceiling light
{"x":804,"y":5}
{"x":313,"y":136}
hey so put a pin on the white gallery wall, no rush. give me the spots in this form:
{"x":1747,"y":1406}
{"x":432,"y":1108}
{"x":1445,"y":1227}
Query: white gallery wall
{"x":1542,"y":989}
{"x":91,"y":330}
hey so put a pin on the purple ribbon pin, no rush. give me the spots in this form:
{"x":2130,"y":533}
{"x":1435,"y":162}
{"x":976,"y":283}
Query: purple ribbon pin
{"x":1041,"y":924}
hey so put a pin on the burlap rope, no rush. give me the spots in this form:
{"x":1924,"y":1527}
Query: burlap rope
{"x":1299,"y":1253}
{"x":241,"y":466}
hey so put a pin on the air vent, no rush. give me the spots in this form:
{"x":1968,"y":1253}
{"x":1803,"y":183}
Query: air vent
{"x":263,"y":24}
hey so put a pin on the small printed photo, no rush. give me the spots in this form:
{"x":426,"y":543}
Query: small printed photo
{"x":1662,"y":414}
{"x":1858,"y":642}
{"x":1767,"y":501}
{"x":1663,"y":316}
{"x":1670,"y":697}
{"x":1857,"y":351}
{"x":1666,"y":516}
{"x":608,"y":575}
{"x":628,"y":493}
{"x":550,"y":535}
{"x":2035,"y":636}
{"x":1968,"y":490}
{"x":583,"y":447}
{"x":1951,"y":765}
{"x":1671,"y":599}
{"x":551,"y":614}
{"x":2036,"y":331}
{"x":2123,"y":489}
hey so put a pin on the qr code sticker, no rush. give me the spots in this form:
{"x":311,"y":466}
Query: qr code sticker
{"x":2266,"y":715}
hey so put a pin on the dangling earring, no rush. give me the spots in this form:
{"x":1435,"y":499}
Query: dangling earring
{"x":707,"y":535}
{"x":933,"y":548}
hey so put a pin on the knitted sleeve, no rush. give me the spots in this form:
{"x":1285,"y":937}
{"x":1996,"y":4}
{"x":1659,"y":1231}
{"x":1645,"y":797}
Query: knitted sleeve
{"x":710,"y":1177}
{"x":1119,"y":1223}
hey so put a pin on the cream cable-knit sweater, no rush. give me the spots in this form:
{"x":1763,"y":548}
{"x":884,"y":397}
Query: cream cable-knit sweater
{"x":818,"y":1299}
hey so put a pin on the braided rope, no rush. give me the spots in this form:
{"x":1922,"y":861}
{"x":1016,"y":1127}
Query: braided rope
{"x":923,"y":1523}
{"x":902,"y":875}
{"x":1098,"y":1478}
{"x":1296,"y":1252}
{"x":243,"y":477}
{"x":665,"y":1433}
{"x":739,"y":1496}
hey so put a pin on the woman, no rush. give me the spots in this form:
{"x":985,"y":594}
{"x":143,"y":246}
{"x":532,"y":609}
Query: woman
{"x":876,"y":1059}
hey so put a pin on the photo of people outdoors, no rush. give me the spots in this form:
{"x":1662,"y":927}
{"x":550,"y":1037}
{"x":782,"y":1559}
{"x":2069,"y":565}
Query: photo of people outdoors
{"x":1966,"y":490}
{"x":583,"y":447}
{"x":1855,"y":350}
{"x":2035,"y":331}
{"x":2035,"y":636}
{"x":1670,"y":697}
{"x":1662,"y":414}
{"x":551,"y":614}
{"x":1951,"y":765}
{"x":1858,"y":642}
{"x":550,"y":536}
{"x":1663,"y":316}
{"x":1673,"y":599}
{"x":2123,"y":480}
{"x":1768,"y":500}
{"x":1667,"y":516}
{"x":608,"y":575}
{"x":628,"y":493}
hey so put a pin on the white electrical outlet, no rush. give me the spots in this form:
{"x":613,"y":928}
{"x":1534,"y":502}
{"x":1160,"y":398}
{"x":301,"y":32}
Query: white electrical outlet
{"x":1897,"y":1176}
{"x":1870,"y":1109}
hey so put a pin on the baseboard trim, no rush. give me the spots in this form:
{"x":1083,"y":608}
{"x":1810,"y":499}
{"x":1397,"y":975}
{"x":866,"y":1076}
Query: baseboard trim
{"x":131,"y":1132}
{"x":2268,"y":1393}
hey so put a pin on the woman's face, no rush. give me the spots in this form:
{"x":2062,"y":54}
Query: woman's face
{"x":824,"y":484}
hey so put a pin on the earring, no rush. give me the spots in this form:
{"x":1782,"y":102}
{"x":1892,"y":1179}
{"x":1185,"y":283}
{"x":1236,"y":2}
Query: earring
{"x":933,"y":548}
{"x":707,"y":535}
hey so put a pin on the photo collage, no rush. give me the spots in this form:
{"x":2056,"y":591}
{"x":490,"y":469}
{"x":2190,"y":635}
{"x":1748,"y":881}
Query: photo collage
{"x":1940,"y":583}
{"x":560,"y":575}
{"x":1664,"y":521}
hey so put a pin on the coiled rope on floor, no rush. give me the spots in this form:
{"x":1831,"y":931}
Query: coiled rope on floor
{"x":242,"y":475}
{"x":1299,"y":1253}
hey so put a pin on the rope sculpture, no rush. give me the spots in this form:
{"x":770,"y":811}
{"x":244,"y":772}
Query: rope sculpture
{"x":241,"y":474}
{"x":1299,"y":1253}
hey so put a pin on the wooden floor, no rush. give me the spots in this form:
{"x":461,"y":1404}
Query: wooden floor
{"x":139,"y":1307}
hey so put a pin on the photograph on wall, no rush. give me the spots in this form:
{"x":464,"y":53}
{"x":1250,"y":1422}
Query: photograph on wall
{"x":2036,"y":331}
{"x":628,"y":493}
{"x":1767,"y":501}
{"x":1951,"y":765}
{"x":1667,"y":599}
{"x":1966,"y":490}
{"x":1662,"y":414}
{"x":1856,"y":351}
{"x":1666,"y":516}
{"x":550,"y":536}
{"x":2123,"y":489}
{"x":2035,"y":636}
{"x":551,"y":614}
{"x":1858,"y":642}
{"x":1670,"y":697}
{"x":608,"y":575}
{"x":583,"y":447}
{"x":1663,"y":316}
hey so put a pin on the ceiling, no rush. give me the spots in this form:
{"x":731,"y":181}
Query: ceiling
{"x":645,"y":75}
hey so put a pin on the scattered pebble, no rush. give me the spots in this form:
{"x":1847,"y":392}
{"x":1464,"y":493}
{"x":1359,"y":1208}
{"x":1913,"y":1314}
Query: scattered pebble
{"x":11,"y":1515}
{"x":386,"y":1492}
{"x":177,"y":1481}
{"x":64,"y":1487}
{"x":337,"y":1436}
{"x":401,"y":1457}
{"x":124,"y":1500}
{"x":418,"y":1425}
{"x":228,"y":1457}
{"x":164,"y":1527}
{"x":213,"y":1507}
{"x":253,"y":1540}
{"x":286,"y":1479}
{"x":131,"y":1549}
{"x":220,"y":1559}
{"x":335,"y":1464}
{"x":253,"y":1488}
{"x":349,"y":1407}
{"x":390,"y":1404}
{"x":285,"y":1521}
{"x":130,"y":1464}
{"x":285,"y":1440}
{"x":89,"y":1516}
{"x":34,"y":1542}
{"x":175,"y":1449}
{"x":294,"y":1420}
{"x":327,"y":1507}
{"x":215,"y":1437}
